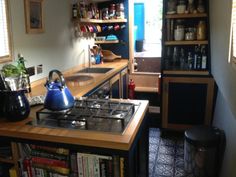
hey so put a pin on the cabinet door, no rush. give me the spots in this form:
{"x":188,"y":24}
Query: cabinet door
{"x":187,"y":102}
{"x":124,"y":83}
{"x":115,"y":86}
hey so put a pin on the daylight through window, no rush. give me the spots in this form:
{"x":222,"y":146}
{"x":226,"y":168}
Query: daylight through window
{"x":5,"y":52}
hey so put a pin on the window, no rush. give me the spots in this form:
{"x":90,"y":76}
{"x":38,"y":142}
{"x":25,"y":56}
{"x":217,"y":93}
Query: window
{"x":232,"y":58}
{"x":5,"y":40}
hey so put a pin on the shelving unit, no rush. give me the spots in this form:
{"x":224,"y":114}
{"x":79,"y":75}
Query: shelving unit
{"x":99,"y":24}
{"x":187,"y":85}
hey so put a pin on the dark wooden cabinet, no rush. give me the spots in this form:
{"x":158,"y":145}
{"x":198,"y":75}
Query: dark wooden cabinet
{"x":187,"y":101}
{"x":187,"y":85}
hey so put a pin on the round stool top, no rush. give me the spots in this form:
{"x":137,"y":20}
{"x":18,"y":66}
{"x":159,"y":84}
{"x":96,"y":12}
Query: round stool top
{"x":203,"y":135}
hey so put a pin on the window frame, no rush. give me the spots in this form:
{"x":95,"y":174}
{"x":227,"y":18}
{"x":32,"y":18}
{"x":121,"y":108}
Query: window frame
{"x":8,"y":58}
{"x":232,"y":58}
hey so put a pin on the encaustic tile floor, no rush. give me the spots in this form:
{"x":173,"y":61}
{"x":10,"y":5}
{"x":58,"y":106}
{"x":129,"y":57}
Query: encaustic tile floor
{"x":166,"y":155}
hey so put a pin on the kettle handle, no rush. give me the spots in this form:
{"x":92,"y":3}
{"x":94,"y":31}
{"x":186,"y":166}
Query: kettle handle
{"x":62,"y":80}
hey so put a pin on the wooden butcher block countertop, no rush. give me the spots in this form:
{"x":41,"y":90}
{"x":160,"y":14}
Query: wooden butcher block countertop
{"x":78,"y":137}
{"x":77,"y":89}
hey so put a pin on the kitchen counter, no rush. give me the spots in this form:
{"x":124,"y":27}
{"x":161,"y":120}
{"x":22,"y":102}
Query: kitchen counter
{"x":79,"y":90}
{"x":78,"y":137}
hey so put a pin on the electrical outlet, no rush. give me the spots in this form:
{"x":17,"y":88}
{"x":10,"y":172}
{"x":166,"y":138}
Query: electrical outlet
{"x":31,"y":70}
{"x":39,"y":69}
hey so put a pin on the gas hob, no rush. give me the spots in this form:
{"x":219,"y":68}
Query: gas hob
{"x":89,"y":114}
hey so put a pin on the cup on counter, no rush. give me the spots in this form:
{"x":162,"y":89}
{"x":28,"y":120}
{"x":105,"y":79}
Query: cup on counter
{"x":97,"y":59}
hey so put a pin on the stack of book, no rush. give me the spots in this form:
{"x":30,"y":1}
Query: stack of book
{"x":94,"y":165}
{"x":43,"y":161}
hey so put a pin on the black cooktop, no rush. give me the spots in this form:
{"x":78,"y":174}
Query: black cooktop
{"x":89,"y":114}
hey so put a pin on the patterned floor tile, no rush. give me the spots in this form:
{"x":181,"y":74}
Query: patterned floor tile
{"x":167,"y":150}
{"x":179,"y":151}
{"x":167,"y":142}
{"x":166,"y":155}
{"x":164,"y":170}
{"x":179,"y":172}
{"x":165,"y":159}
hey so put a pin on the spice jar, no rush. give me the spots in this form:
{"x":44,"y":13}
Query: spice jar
{"x":201,"y":30}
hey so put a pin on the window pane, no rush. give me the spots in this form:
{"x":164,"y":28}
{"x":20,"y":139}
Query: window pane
{"x":4,"y":38}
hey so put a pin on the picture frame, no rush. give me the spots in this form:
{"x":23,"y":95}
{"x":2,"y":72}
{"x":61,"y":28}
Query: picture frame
{"x":34,"y":21}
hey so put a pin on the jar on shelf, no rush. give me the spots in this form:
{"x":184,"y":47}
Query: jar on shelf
{"x":181,"y":7}
{"x":112,"y":11}
{"x":190,"y":34}
{"x":105,"y":14}
{"x":171,"y":7}
{"x":120,"y":11}
{"x":201,"y":30}
{"x":179,"y":31}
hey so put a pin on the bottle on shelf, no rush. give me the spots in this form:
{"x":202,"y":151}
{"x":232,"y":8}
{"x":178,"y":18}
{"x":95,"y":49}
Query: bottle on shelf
{"x":175,"y":58}
{"x":74,"y":11}
{"x":25,"y":75}
{"x":182,"y":59}
{"x":204,"y":58}
{"x":199,"y":59}
{"x":201,"y":30}
{"x":200,"y":6}
{"x":190,"y":61}
{"x":168,"y":58}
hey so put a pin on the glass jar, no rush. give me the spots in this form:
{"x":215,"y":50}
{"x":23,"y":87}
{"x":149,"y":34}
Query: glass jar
{"x":201,"y":30}
{"x":181,"y":7}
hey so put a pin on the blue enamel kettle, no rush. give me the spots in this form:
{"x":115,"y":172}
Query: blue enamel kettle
{"x":58,"y":96}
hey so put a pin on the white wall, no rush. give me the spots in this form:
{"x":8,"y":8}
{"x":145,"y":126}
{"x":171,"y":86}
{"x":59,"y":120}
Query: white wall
{"x":56,"y":48}
{"x":225,"y":76}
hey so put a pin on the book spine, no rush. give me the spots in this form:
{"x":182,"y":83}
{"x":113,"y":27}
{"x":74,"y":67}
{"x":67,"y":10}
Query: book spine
{"x":73,"y":163}
{"x":39,"y":153}
{"x":28,"y":167}
{"x":116,"y":166}
{"x":96,"y":167}
{"x":91,"y":166}
{"x":61,"y":170}
{"x":51,"y":149}
{"x":12,"y":172}
{"x":80,"y":165}
{"x":51,"y":162}
{"x":102,"y":165}
{"x":122,"y":167}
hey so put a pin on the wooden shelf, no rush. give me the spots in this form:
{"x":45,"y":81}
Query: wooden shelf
{"x":84,"y":20}
{"x":107,"y":42}
{"x":186,"y":42}
{"x":6,"y":160}
{"x":200,"y":15}
{"x":182,"y":72}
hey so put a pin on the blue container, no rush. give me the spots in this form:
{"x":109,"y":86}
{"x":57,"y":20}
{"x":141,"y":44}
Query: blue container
{"x":97,"y":59}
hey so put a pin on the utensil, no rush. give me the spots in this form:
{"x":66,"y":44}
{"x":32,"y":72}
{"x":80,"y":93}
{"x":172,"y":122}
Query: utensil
{"x":58,"y":96}
{"x":109,"y":55}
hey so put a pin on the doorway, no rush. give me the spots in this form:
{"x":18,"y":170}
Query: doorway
{"x":147,"y":31}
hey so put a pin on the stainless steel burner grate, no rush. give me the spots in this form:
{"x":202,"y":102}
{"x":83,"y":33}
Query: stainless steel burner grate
{"x":89,"y":114}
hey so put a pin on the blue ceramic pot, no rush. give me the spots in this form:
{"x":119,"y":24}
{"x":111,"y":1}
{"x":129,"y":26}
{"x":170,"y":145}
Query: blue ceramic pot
{"x":16,"y":105}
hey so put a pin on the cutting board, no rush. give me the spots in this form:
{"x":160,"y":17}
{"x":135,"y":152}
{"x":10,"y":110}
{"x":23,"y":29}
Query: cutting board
{"x":109,"y":55}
